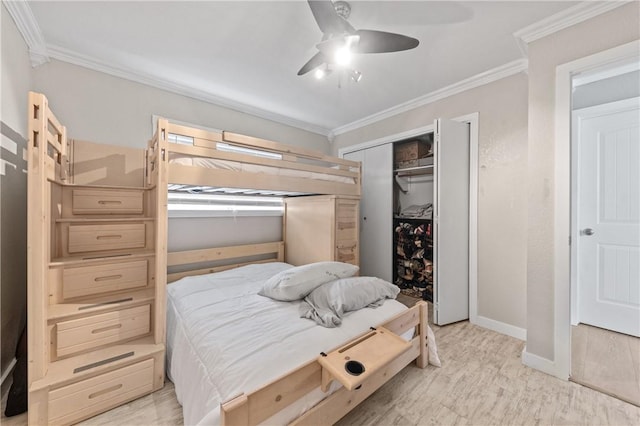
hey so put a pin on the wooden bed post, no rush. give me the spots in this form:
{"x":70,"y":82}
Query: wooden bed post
{"x":423,"y":360}
{"x":162,"y":225}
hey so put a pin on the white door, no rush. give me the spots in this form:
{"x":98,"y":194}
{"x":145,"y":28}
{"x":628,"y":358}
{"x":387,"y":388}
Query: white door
{"x":451,"y":222}
{"x":607,"y":218}
{"x":376,"y":210}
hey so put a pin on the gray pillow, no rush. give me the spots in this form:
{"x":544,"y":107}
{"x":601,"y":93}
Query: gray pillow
{"x":296,"y":283}
{"x":328,"y":303}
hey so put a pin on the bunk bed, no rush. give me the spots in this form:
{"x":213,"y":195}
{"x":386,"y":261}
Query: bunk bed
{"x":98,"y":268}
{"x":182,"y":158}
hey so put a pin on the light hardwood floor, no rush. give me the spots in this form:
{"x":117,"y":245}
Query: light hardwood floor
{"x":607,"y":361}
{"x":482,"y":382}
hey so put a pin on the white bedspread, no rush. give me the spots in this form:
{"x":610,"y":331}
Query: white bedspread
{"x":224,"y":339}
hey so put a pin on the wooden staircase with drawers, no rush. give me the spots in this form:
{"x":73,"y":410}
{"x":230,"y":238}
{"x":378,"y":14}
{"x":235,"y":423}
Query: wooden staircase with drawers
{"x":95,"y":290}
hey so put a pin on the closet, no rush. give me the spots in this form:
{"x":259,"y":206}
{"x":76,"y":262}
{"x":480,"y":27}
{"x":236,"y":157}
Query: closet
{"x":434,"y":247}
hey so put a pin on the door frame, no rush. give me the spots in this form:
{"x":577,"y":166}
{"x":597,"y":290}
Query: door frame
{"x":473,"y":120}
{"x":561,"y":365}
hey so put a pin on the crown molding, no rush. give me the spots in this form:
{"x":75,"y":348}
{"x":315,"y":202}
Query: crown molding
{"x":564,"y":19}
{"x":26,"y":23}
{"x":506,"y":70}
{"x":72,"y":57}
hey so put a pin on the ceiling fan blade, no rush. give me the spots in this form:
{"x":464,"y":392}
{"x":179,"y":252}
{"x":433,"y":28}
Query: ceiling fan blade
{"x":372,"y":41}
{"x":330,"y":46}
{"x":317,"y":60}
{"x":328,"y":19}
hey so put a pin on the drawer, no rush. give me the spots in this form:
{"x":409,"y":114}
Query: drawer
{"x":89,"y":280}
{"x":80,"y":400}
{"x":97,"y":330}
{"x":83,"y":238}
{"x":346,"y":229}
{"x":104,"y":201}
{"x":347,"y":252}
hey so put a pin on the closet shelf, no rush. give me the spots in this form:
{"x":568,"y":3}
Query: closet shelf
{"x":96,"y":258}
{"x":426,"y":219}
{"x":414,"y":171}
{"x":100,"y":304}
{"x":70,"y":370}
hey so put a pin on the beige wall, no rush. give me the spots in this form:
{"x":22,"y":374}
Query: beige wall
{"x":502,"y":195}
{"x":16,"y":80}
{"x":101,"y":108}
{"x":614,"y":28}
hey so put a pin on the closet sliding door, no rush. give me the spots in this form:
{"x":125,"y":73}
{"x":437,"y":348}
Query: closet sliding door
{"x":451,"y":222}
{"x":376,"y":215}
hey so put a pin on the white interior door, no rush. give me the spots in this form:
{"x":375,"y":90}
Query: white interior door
{"x":451,"y":222}
{"x":376,"y":215}
{"x":608,"y":215}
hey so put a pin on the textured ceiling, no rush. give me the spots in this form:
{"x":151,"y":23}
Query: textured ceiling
{"x":249,"y":52}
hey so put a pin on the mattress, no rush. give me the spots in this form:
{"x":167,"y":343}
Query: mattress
{"x":214,"y":163}
{"x":224,"y":339}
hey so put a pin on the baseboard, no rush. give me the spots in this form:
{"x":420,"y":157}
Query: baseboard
{"x":539,"y":363}
{"x":501,"y":327}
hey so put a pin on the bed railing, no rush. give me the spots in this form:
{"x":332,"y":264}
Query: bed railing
{"x":48,"y":139}
{"x":273,"y":251}
{"x":177,"y":140}
{"x":255,"y":407}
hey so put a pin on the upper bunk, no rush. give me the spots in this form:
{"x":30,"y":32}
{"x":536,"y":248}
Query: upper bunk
{"x":204,"y":161}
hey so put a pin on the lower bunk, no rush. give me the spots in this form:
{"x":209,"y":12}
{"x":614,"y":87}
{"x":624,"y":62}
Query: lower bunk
{"x":239,"y":358}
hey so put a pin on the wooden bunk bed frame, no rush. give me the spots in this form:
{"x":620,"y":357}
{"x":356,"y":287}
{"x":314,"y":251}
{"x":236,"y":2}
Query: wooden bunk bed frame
{"x":205,"y":144}
{"x":258,"y":405}
{"x":49,"y":163}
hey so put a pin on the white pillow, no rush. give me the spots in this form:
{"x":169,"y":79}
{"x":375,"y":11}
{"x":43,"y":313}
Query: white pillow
{"x":296,"y":283}
{"x":328,"y":303}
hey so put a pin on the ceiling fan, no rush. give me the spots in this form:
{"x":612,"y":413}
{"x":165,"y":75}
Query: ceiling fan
{"x":340,"y":40}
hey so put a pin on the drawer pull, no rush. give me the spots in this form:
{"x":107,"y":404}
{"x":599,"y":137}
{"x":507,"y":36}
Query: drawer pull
{"x":109,"y":237}
{"x":105,"y":391}
{"x":103,"y":329}
{"x":108,"y":278}
{"x":102,"y":362}
{"x":105,"y":202}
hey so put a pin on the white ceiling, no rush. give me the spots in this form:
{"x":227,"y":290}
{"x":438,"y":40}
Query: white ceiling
{"x":243,"y":53}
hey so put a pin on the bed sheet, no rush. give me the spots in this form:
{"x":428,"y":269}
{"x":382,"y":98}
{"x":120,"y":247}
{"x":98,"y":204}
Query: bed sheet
{"x":224,"y":339}
{"x":214,"y":163}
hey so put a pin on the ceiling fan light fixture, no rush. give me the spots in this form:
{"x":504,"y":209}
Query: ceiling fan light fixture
{"x":356,"y":75}
{"x":343,"y":56}
{"x":322,"y":73}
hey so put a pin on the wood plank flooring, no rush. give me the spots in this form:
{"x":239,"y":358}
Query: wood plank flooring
{"x":482,"y":382}
{"x":607,"y":361}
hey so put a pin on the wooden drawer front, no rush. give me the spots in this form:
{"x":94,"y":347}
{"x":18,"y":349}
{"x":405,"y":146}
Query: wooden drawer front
{"x":106,"y":237}
{"x":346,"y":229}
{"x":80,"y":400}
{"x":347,"y":252}
{"x":347,"y":210}
{"x":102,"y":201}
{"x":90,"y":332}
{"x":88,"y":280}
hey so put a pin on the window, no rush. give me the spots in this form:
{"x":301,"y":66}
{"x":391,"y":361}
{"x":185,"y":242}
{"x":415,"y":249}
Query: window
{"x":214,"y":205}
